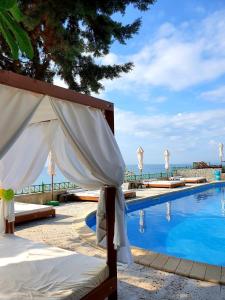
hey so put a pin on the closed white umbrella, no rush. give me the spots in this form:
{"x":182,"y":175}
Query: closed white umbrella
{"x":167,"y":160}
{"x":221,"y":152}
{"x":140,"y":157}
{"x":51,"y":170}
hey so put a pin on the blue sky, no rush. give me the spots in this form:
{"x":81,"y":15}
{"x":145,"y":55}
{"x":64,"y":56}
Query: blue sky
{"x":175,"y":96}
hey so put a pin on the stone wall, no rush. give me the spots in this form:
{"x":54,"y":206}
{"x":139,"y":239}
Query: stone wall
{"x":207,"y":173}
{"x":37,"y":198}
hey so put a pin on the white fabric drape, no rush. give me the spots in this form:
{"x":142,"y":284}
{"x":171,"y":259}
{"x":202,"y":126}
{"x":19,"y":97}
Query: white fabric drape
{"x":67,"y":161}
{"x":22,"y":164}
{"x":16,"y":108}
{"x":100,"y":162}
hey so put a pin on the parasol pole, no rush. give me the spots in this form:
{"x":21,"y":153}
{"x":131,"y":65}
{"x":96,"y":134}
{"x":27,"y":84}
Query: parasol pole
{"x":51,"y":172}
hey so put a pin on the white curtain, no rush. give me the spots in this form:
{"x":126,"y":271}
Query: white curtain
{"x":16,"y":109}
{"x":67,"y":160}
{"x":22,"y":164}
{"x":100,"y":162}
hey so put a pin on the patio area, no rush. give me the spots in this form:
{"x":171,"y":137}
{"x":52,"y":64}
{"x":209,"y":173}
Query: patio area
{"x":135,"y":281}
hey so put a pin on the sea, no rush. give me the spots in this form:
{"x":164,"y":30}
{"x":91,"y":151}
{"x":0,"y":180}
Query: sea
{"x":148,"y":169}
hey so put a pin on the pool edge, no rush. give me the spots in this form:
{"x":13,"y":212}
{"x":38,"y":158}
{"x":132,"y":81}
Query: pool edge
{"x":166,"y":263}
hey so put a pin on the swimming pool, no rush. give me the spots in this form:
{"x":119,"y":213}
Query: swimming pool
{"x":187,"y":224}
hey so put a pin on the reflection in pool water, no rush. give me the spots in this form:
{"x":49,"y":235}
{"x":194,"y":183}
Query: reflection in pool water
{"x":168,"y":211}
{"x":142,"y":221}
{"x":191,"y":226}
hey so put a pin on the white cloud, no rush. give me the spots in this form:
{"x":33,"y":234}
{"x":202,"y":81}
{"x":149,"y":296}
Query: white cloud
{"x":216,"y":95}
{"x":178,"y":57}
{"x":160,"y":99}
{"x":58,"y":81}
{"x":109,"y":59}
{"x":213,"y":143}
{"x":183,"y":127}
{"x":189,"y":136}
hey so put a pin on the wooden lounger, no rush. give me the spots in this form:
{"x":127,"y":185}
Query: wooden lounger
{"x":94,"y":195}
{"x":194,"y":179}
{"x":164,"y":184}
{"x":25,"y":212}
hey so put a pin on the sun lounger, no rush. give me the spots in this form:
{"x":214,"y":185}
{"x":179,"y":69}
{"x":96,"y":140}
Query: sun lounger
{"x":164,"y":183}
{"x":194,"y":179}
{"x":25,"y":212}
{"x":30,"y":270}
{"x":92,"y":195}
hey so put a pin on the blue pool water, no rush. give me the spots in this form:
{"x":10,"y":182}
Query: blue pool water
{"x":187,"y":224}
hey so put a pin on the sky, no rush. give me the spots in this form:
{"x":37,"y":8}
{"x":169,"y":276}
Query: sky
{"x":174,"y":98}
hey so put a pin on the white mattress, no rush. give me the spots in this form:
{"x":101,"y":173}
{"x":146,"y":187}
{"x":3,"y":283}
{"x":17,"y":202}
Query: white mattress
{"x":30,"y":270}
{"x":25,"y":208}
{"x":193,"y":178}
{"x":87,"y":193}
{"x":94,"y":193}
{"x":146,"y":181}
{"x":165,"y":182}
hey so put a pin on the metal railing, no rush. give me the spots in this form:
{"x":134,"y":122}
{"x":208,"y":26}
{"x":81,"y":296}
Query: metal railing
{"x":43,"y":188}
{"x":180,"y":168}
{"x":175,"y":169}
{"x":135,"y":177}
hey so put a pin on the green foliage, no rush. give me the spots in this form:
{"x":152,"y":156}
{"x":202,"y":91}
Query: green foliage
{"x":7,"y":4}
{"x":15,"y":36}
{"x":69,"y":38}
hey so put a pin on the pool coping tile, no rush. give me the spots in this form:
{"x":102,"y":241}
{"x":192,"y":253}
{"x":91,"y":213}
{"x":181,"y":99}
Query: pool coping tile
{"x":184,"y":267}
{"x":198,"y":271}
{"x":172,"y":264}
{"x":144,"y":257}
{"x":159,"y":262}
{"x":213,"y":273}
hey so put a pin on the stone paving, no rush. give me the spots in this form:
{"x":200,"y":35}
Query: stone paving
{"x":135,"y":281}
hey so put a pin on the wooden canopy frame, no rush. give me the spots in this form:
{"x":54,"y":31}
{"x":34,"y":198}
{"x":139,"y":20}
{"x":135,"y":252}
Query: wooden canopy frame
{"x":109,"y":287}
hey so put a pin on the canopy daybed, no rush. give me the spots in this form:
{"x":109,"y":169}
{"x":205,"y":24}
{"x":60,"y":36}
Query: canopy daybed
{"x":82,"y":195}
{"x":163,"y":183}
{"x":25,"y":212}
{"x":36,"y":118}
{"x":193,"y":179}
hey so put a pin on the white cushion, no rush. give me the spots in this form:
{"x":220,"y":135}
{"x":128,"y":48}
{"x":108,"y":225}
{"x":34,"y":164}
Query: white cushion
{"x":30,"y":270}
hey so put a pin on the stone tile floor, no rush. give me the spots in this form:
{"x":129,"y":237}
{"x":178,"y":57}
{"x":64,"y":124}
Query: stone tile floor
{"x":136,"y":281}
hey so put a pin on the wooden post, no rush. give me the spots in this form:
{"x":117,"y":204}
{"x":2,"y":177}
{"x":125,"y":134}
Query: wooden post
{"x":110,"y":194}
{"x":9,"y":227}
{"x":110,"y":197}
{"x":109,"y":115}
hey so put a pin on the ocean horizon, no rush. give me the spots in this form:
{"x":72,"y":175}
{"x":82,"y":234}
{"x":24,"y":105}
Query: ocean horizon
{"x":148,"y":169}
